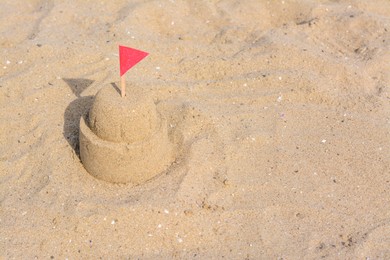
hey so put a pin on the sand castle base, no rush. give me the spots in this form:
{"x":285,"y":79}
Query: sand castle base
{"x":124,"y":140}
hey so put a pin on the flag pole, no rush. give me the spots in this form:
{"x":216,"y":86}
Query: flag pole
{"x":128,"y":57}
{"x":123,"y":85}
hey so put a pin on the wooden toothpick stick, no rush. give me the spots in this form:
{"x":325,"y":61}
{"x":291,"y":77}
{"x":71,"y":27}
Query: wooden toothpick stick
{"x":123,"y":85}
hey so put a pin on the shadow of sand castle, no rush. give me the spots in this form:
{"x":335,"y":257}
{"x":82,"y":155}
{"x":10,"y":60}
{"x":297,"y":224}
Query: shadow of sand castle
{"x":75,"y":110}
{"x":78,"y":85}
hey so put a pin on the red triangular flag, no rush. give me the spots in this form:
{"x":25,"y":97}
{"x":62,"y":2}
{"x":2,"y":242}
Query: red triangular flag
{"x":128,"y":57}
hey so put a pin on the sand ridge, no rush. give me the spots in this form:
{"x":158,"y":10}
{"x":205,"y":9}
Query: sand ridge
{"x":279,"y":111}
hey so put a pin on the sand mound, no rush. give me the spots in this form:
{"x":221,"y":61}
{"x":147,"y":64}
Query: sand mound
{"x":124,"y":140}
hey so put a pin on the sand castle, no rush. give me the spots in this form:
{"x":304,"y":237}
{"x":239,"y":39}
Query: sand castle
{"x":124,"y":140}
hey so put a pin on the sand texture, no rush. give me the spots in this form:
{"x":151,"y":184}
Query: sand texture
{"x":278,"y":112}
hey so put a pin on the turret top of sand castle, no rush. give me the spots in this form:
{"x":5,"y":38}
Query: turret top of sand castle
{"x":130,"y":119}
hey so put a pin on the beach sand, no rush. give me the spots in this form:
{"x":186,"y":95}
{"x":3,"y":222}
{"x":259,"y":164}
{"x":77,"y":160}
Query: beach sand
{"x":279,"y":110}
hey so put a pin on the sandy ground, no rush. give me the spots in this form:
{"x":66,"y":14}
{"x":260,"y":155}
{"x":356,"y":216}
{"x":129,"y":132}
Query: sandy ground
{"x":282,"y":107}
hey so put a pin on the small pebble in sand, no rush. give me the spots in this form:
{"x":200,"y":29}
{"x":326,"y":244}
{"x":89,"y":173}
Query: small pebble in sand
{"x":323,"y":141}
{"x":8,"y":62}
{"x":166,"y":211}
{"x":113,"y":222}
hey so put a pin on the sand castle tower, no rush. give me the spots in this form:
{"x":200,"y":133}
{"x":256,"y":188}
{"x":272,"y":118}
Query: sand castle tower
{"x":124,"y":140}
